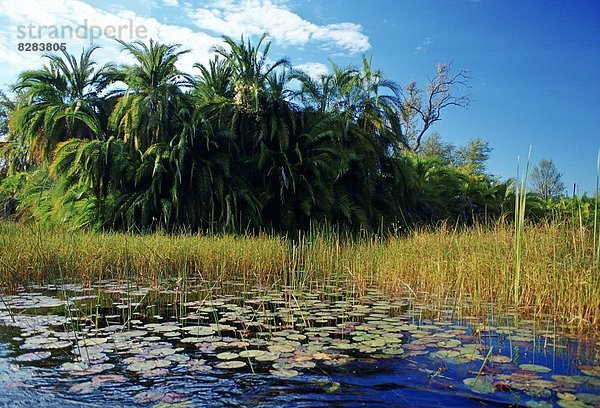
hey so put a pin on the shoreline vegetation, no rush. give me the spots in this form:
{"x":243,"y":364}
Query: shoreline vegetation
{"x":251,"y":170}
{"x":474,"y":266}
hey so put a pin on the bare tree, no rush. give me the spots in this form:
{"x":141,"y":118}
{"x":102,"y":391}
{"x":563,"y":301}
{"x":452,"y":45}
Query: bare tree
{"x":422,"y":108}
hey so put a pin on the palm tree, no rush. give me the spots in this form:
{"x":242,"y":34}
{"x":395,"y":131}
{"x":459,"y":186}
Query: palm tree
{"x":146,"y":111}
{"x":248,"y":100}
{"x":375,"y":103}
{"x":325,"y":94}
{"x":363,"y":96}
{"x":63,"y":100}
{"x":250,"y":70}
{"x":100,"y":165}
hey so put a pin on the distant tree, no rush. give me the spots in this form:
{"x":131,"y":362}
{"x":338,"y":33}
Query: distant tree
{"x":546,"y":180}
{"x":471,"y":157}
{"x":434,"y":146}
{"x":474,"y":155}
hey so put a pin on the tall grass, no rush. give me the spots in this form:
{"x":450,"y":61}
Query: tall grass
{"x":447,"y":265}
{"x":35,"y":254}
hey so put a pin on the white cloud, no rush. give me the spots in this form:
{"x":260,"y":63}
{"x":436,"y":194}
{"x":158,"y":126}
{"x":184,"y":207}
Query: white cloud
{"x":313,"y":69}
{"x":254,"y":17}
{"x":230,"y":17}
{"x":76,"y":13}
{"x":424,"y":46}
{"x":171,"y":3}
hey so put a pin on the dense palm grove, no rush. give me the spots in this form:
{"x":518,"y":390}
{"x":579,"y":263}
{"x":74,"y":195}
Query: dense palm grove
{"x":245,"y":144}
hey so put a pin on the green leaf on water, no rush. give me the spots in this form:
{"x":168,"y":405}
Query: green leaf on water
{"x":230,"y":365}
{"x":27,"y":357}
{"x":334,"y":387}
{"x":479,"y":385}
{"x":567,"y":396}
{"x":591,"y":399}
{"x":593,"y":371}
{"x":284,"y":373}
{"x":572,"y":404}
{"x":538,"y":404}
{"x":444,"y":354}
{"x":500,"y":359}
{"x":267,"y":357}
{"x":449,"y":343}
{"x":162,"y":352}
{"x":227,"y":356}
{"x":535,"y":367}
{"x":199,"y":331}
{"x":281,"y":348}
{"x":252,"y":353}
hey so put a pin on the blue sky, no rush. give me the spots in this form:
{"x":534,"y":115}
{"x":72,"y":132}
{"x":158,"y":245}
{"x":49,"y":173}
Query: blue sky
{"x":534,"y":64}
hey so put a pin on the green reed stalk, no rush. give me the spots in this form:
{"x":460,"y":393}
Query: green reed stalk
{"x":520,"y":202}
{"x":596,"y":229}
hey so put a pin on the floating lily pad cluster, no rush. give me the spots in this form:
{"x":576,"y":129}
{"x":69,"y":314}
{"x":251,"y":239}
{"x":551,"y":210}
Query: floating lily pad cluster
{"x":143,"y":335}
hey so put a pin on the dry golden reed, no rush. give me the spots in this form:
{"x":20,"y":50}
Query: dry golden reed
{"x":472,"y":266}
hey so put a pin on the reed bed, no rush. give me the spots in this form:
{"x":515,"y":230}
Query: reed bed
{"x":471,"y":267}
{"x":476,"y":267}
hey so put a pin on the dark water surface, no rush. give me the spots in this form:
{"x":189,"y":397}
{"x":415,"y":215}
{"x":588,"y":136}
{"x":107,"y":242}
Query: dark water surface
{"x":119,"y":345}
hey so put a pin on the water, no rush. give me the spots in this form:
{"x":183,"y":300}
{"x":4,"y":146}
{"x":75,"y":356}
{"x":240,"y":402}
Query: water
{"x":119,"y":345}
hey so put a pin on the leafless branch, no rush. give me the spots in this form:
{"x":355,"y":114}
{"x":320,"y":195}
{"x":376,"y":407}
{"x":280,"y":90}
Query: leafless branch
{"x":422,"y":108}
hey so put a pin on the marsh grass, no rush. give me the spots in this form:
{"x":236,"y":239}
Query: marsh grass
{"x":472,"y":269}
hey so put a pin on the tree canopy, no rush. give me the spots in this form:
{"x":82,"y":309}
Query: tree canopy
{"x":246,"y":143}
{"x":546,"y":180}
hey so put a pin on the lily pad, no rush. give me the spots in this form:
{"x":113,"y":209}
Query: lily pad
{"x":267,"y":357}
{"x":572,"y":404}
{"x":93,"y":341}
{"x":500,"y":359}
{"x":298,"y":337}
{"x":284,"y":373}
{"x":229,"y":365}
{"x":449,"y":343}
{"x":303,"y":364}
{"x":446,"y":354}
{"x":252,"y":353}
{"x":567,"y":396}
{"x":35,"y":356}
{"x":281,"y":348}
{"x":148,"y":365}
{"x":199,"y":331}
{"x":591,"y":399}
{"x":479,"y":385}
{"x":227,"y":356}
{"x":535,"y":367}
{"x":593,"y":371}
{"x":162,"y":352}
